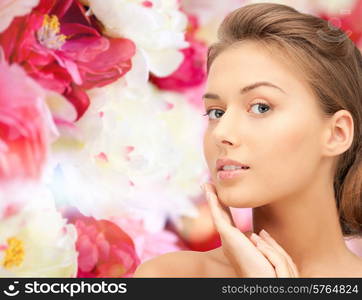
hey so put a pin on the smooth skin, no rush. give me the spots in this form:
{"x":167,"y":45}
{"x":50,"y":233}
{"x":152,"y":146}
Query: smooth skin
{"x":291,"y":149}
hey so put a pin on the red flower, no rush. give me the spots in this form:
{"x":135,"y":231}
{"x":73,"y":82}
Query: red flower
{"x":192,"y":71}
{"x":62,"y":48}
{"x":25,"y":124}
{"x":105,"y":250}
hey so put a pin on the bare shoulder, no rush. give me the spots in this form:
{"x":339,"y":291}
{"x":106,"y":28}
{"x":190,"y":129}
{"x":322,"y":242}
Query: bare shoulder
{"x":186,"y":263}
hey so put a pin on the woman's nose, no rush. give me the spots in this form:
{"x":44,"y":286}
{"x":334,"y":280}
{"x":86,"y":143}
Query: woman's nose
{"x":226,"y":132}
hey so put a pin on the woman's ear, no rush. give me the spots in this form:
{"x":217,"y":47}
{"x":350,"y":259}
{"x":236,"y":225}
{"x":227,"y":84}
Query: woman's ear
{"x":339,"y":133}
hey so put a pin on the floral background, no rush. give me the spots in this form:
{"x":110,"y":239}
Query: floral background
{"x":101,"y":131}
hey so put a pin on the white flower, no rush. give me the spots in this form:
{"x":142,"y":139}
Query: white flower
{"x":61,"y":109}
{"x":9,"y":9}
{"x":132,"y":155}
{"x":35,"y":240}
{"x":339,"y":7}
{"x":159,"y":30}
{"x":207,"y":10}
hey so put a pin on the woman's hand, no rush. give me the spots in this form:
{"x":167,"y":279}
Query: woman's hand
{"x":259,"y":256}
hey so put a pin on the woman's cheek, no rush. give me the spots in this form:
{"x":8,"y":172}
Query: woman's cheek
{"x":209,"y":151}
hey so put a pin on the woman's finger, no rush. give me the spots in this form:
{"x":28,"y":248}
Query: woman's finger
{"x":269,"y":257}
{"x":278,"y":261}
{"x":242,"y":254}
{"x":272,"y":242}
{"x":221,"y":214}
{"x":256,"y":238}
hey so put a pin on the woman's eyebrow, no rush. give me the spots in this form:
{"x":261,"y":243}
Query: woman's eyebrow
{"x":246,"y":89}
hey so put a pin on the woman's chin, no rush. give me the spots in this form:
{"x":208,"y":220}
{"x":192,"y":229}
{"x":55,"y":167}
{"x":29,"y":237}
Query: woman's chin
{"x":236,"y":202}
{"x":240,"y":199}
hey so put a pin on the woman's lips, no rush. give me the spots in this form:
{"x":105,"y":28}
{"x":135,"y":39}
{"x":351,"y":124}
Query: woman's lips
{"x":230,"y":174}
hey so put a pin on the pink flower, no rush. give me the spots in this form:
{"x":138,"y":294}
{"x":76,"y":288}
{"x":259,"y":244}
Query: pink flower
{"x":62,"y":48}
{"x":198,"y":233}
{"x":25,"y":125}
{"x":192,"y":71}
{"x":150,"y":244}
{"x":105,"y":250}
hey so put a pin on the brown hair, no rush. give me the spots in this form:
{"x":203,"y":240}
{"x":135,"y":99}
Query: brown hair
{"x":332,"y":66}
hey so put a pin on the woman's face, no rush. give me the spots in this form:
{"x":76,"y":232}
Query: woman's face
{"x":279,"y":139}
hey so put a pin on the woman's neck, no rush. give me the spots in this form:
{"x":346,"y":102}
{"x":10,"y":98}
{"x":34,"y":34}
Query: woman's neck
{"x":307,"y":228}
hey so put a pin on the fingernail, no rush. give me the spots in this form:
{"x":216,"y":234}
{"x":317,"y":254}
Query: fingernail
{"x":254,"y":235}
{"x":264,"y":232}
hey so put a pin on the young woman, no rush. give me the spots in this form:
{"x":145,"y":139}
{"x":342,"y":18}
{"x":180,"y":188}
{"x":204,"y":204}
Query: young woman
{"x":284,"y":103}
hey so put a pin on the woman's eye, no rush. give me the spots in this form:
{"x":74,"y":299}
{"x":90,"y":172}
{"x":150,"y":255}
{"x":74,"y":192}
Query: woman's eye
{"x":262,"y":108}
{"x":211,"y":110}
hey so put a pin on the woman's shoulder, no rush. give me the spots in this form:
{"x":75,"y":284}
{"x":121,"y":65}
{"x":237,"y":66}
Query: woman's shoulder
{"x":172,"y":264}
{"x":186,"y":263}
